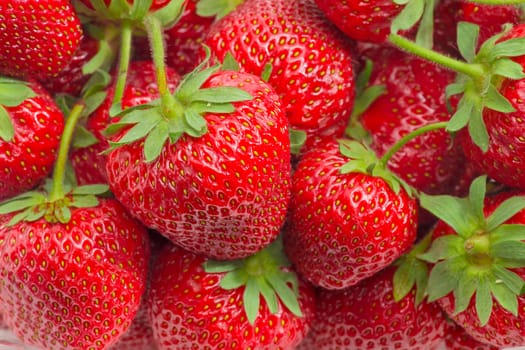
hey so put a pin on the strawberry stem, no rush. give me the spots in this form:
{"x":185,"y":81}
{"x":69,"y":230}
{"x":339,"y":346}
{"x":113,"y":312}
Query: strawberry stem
{"x":126,"y":35}
{"x":170,"y":106}
{"x":475,"y":71}
{"x":59,"y":171}
{"x":408,"y":137}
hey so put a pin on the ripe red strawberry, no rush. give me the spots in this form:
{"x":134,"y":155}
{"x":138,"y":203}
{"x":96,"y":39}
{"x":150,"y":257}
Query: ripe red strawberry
{"x":345,"y":226}
{"x":503,"y":158}
{"x":221,"y":190}
{"x":31,"y":125}
{"x":89,"y":163}
{"x":366,"y":316}
{"x":73,"y":285}
{"x":38,"y":39}
{"x":477,"y":272}
{"x":457,"y":339}
{"x":193,"y":308}
{"x":311,"y":60}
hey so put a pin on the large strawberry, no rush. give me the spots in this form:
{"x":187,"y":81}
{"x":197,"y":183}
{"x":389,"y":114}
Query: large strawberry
{"x":38,"y":39}
{"x":88,"y":158}
{"x":76,"y":284}
{"x":346,"y":224}
{"x":310,"y":60}
{"x":477,"y":273}
{"x":256,"y":303}
{"x":30,"y":128}
{"x":368,"y":316}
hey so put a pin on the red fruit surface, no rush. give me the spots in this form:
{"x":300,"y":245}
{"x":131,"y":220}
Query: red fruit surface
{"x":457,"y":339}
{"x":504,"y":159}
{"x":190,"y":310}
{"x":366,"y":317}
{"x":75,"y":285}
{"x":89,"y":163}
{"x":29,"y":157}
{"x":344,"y":227}
{"x":311,"y":60}
{"x":362,"y":20}
{"x":224,"y":194}
{"x":38,"y":39}
{"x":503,"y":329}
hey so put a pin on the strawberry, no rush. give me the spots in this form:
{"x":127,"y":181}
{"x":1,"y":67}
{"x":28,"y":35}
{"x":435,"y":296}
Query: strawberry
{"x":37,"y":39}
{"x":457,"y":339}
{"x":31,"y":125}
{"x":310,"y":60}
{"x":345,"y":224}
{"x":76,"y":284}
{"x":256,"y":303}
{"x":477,"y":272}
{"x":221,"y":187}
{"x":367,"y":316}
{"x":89,"y":160}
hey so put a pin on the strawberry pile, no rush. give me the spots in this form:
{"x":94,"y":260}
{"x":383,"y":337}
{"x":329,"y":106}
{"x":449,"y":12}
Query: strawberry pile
{"x":262,"y":174}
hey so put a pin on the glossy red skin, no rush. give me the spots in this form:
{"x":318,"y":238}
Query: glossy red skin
{"x":38,"y":38}
{"x":89,"y":163}
{"x":312,"y":66}
{"x":362,"y":20}
{"x":61,"y":283}
{"x":224,"y":194}
{"x":503,"y":329}
{"x":366,"y":316}
{"x":27,"y":159}
{"x":71,"y":80}
{"x":189,"y":310}
{"x":457,"y":339}
{"x":344,"y":227}
{"x":414,"y":97}
{"x":504,"y":161}
{"x":155,"y":4}
{"x":139,"y":336}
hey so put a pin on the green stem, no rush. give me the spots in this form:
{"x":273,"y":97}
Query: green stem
{"x":59,"y":171}
{"x":126,"y":36}
{"x":475,"y":71}
{"x":170,"y":105}
{"x":409,"y":137}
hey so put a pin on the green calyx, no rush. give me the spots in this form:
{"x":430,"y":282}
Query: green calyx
{"x":174,"y":113}
{"x":262,"y":274}
{"x":477,"y":262}
{"x":12,"y":93}
{"x":216,"y":8}
{"x":415,"y":11}
{"x":479,"y":76}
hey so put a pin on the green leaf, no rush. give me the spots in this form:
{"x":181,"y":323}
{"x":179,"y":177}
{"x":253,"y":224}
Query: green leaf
{"x":483,"y":301}
{"x":477,"y":191}
{"x":286,"y":294}
{"x":367,"y":98}
{"x":456,"y":212}
{"x":20,"y":204}
{"x":251,"y":300}
{"x":141,"y":129}
{"x":155,"y":141}
{"x":461,"y":116}
{"x":506,"y":210}
{"x":509,"y":278}
{"x":464,"y":291}
{"x":234,"y":279}
{"x":215,"y":266}
{"x":478,"y":130}
{"x":216,"y":8}
{"x":496,"y":101}
{"x":443,"y":248}
{"x":95,"y":189}
{"x":93,"y":101}
{"x":170,"y":13}
{"x":443,"y":279}
{"x":7,"y":130}
{"x":84,"y":201}
{"x":508,"y":68}
{"x":467,"y":39}
{"x":505,"y":297}
{"x":269,"y":295}
{"x":62,"y":214}
{"x":508,"y":48}
{"x":222,"y":94}
{"x":13,"y":92}
{"x":507,"y":232}
{"x":404,"y":281}
{"x":205,"y":107}
{"x":229,"y":62}
{"x":508,"y":250}
{"x":425,"y":29}
{"x":409,"y":16}
{"x":193,"y":82}
{"x":267,"y":72}
{"x":103,"y":56}
{"x":197,"y":124}
{"x":297,"y":140}
{"x":83,"y":137}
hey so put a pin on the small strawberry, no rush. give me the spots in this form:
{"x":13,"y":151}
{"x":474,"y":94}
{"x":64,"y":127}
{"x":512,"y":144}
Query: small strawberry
{"x":38,"y":39}
{"x":345,"y":222}
{"x":310,"y":60}
{"x":89,"y":160}
{"x":477,"y":274}
{"x":256,"y":303}
{"x":368,"y":316}
{"x":30,"y":128}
